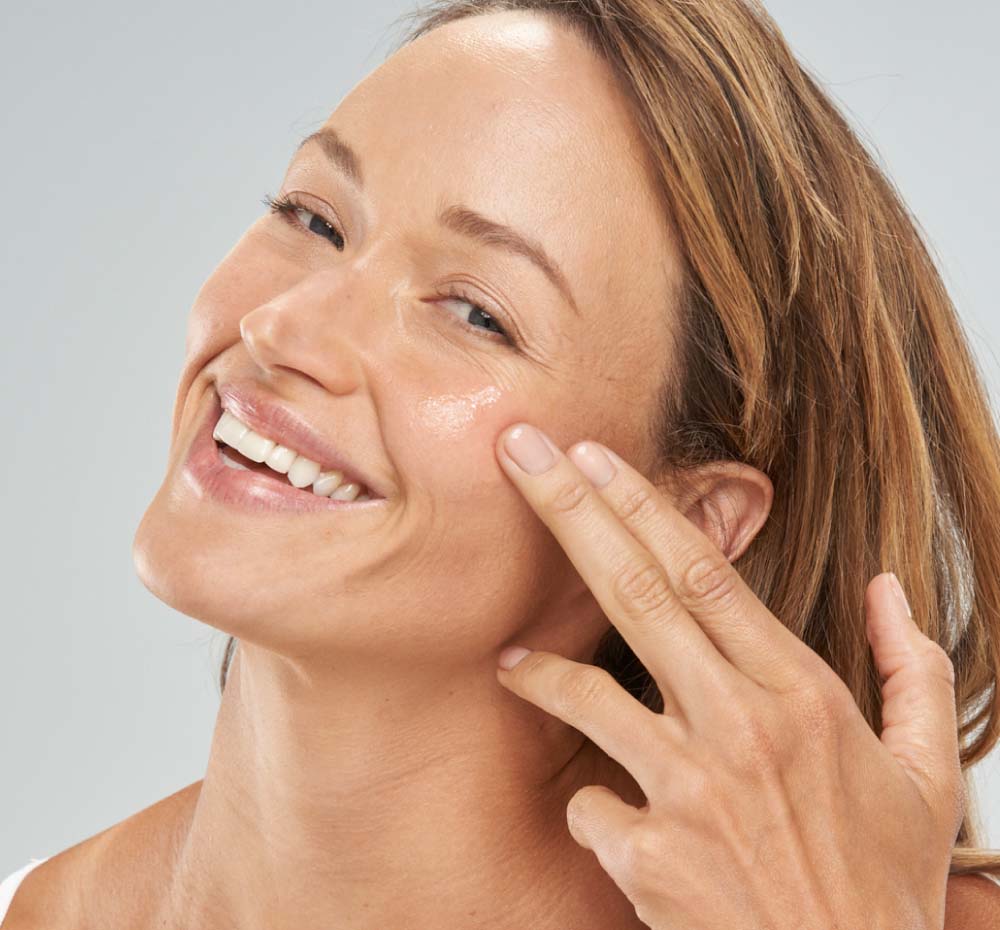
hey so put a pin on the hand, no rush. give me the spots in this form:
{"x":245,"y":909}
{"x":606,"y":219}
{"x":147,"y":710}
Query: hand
{"x":770,"y":800}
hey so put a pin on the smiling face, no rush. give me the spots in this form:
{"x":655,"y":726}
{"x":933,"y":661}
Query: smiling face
{"x":354,"y":312}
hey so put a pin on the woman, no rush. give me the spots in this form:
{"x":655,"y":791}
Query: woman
{"x":642,"y":225}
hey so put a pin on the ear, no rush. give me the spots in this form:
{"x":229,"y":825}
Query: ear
{"x":728,"y":502}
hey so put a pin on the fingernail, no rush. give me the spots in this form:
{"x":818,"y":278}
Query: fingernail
{"x":527,"y":446}
{"x":901,"y":594}
{"x":512,"y":655}
{"x":591,"y":459}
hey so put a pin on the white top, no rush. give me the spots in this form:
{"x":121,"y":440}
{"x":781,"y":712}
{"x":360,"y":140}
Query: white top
{"x":9,"y":885}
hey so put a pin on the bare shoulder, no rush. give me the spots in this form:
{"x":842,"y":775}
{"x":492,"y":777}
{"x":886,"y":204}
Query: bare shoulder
{"x":972,"y":903}
{"x":109,"y":875}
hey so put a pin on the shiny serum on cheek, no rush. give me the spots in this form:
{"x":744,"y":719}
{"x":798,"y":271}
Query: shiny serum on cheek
{"x":447,"y":415}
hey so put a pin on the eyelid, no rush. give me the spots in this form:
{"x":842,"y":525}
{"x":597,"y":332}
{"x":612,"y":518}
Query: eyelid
{"x":469,"y":293}
{"x":324,"y":210}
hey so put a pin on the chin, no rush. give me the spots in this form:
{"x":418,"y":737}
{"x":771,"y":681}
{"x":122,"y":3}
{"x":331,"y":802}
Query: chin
{"x":210,"y":573}
{"x":177,"y":564}
{"x":226,"y":574}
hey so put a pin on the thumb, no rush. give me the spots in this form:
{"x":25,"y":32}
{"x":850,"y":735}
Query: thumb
{"x":919,"y":725}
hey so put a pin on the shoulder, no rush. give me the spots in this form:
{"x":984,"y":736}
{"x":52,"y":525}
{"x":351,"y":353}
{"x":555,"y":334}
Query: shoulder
{"x":972,"y":903}
{"x":134,"y":854}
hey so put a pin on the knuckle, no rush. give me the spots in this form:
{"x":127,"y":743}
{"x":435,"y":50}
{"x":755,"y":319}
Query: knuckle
{"x":567,"y":496}
{"x":648,"y":851}
{"x":758,"y":742}
{"x":642,"y":587}
{"x":709,"y":578}
{"x":939,"y":663}
{"x":699,"y":789}
{"x":638,"y":507}
{"x":580,"y":689}
{"x":821,"y":700}
{"x":818,"y":710}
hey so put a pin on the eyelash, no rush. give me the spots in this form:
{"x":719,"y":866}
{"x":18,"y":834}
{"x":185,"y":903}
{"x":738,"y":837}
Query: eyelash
{"x":287,"y":206}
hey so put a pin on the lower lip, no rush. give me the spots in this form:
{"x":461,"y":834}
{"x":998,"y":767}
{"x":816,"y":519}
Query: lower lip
{"x":250,"y":490}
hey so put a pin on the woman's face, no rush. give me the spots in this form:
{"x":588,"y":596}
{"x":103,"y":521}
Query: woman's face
{"x":508,"y":115}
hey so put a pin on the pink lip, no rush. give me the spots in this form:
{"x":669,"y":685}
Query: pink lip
{"x":252,"y":490}
{"x":245,"y":401}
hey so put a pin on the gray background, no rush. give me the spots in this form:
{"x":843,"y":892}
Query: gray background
{"x":137,"y":143}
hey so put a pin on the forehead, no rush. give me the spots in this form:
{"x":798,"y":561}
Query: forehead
{"x":514,"y":115}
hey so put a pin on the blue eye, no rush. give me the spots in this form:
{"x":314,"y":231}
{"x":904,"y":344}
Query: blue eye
{"x":294,"y":212}
{"x":478,"y":315}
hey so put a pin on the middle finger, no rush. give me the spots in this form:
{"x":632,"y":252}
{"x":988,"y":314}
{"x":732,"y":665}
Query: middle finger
{"x":628,"y":582}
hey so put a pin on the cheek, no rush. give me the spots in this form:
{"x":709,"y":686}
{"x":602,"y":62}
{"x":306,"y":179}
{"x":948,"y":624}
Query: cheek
{"x":450,"y":435}
{"x":451,"y":417}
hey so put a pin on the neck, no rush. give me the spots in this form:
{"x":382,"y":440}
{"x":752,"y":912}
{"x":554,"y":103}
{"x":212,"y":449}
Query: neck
{"x":418,"y":803}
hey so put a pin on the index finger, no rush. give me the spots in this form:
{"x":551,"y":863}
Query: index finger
{"x":628,"y":581}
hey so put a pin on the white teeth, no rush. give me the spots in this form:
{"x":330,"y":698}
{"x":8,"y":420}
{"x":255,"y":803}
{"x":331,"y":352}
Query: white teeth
{"x":229,"y":429}
{"x":327,"y":482}
{"x":254,"y":446}
{"x":281,"y":458}
{"x":303,"y":471}
{"x":346,"y":492}
{"x":300,"y":470}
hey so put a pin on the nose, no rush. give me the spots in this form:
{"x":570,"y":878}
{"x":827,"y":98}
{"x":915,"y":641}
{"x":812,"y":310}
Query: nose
{"x":306,"y":329}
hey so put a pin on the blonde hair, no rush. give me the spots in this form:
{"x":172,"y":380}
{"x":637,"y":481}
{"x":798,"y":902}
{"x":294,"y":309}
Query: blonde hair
{"x":817,"y":343}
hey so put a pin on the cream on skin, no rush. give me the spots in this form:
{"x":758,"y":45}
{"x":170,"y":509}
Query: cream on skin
{"x":448,"y":415}
{"x":367,"y":770}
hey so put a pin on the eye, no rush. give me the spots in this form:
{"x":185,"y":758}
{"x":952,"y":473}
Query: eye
{"x":478,"y":315}
{"x":300,"y":216}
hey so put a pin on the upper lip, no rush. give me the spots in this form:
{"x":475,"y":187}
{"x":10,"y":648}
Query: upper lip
{"x":250,"y":405}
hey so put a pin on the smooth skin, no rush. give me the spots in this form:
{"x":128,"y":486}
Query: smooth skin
{"x":367,"y":769}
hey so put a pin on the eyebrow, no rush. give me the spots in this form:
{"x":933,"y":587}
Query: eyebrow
{"x":456,"y":217}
